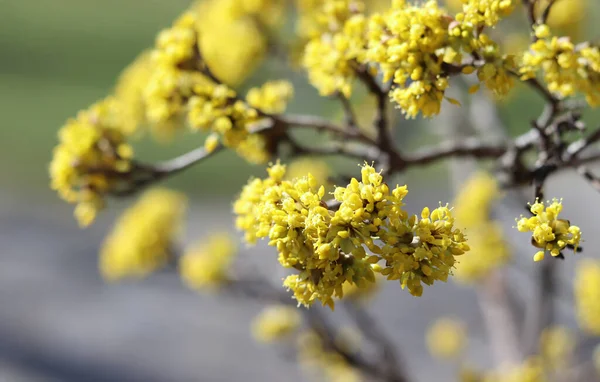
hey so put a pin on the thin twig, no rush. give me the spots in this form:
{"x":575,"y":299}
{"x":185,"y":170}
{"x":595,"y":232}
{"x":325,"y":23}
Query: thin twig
{"x":590,"y":177}
{"x":323,"y":125}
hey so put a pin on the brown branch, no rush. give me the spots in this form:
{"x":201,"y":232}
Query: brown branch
{"x":142,"y":175}
{"x":349,"y":115}
{"x":500,"y":319}
{"x":471,"y":147}
{"x":323,"y":125}
{"x":263,"y":291}
{"x":371,"y":329}
{"x":542,"y":313}
{"x":590,"y":177}
{"x":575,"y":148}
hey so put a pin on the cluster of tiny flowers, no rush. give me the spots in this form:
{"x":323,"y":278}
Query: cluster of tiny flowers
{"x":91,"y":156}
{"x":549,"y":233}
{"x":276,"y":323}
{"x":568,"y":69}
{"x":206,"y":264}
{"x":446,"y":338}
{"x":329,"y":248}
{"x":472,"y":209}
{"x":143,"y":237}
{"x":317,"y":18}
{"x":587,"y":295}
{"x":415,"y":46}
{"x":331,"y":59}
{"x":316,"y":358}
{"x":179,"y":89}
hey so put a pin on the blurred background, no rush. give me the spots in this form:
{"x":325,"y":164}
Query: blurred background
{"x":60,"y":322}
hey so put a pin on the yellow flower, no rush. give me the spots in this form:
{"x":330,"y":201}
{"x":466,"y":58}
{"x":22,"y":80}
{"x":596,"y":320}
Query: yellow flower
{"x":317,"y":168}
{"x":587,"y":295}
{"x":207,"y":263}
{"x":275,"y":323}
{"x":446,"y":338}
{"x":143,"y":237}
{"x":549,"y":233}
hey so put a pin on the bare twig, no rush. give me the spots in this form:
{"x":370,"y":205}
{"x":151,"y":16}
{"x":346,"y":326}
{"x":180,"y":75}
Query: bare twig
{"x":322,"y":124}
{"x":349,"y":115}
{"x":590,"y":177}
{"x":371,"y":329}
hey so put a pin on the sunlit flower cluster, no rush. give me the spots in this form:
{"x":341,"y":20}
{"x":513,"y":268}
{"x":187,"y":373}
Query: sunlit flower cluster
{"x":143,"y":237}
{"x":549,"y":233}
{"x":275,"y":323}
{"x":91,"y":157}
{"x":556,"y":346}
{"x":416,"y":46}
{"x":568,"y":69}
{"x":207,"y":264}
{"x":329,"y":248}
{"x":587,"y":295}
{"x":473,"y":212}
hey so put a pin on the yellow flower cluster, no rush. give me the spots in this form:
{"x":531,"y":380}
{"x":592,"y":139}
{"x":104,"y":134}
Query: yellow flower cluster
{"x":300,"y":167}
{"x":567,"y":68}
{"x":240,"y":44}
{"x":275,"y":323}
{"x":472,"y":211}
{"x":141,"y":240}
{"x":587,"y":295}
{"x":317,"y":18}
{"x":331,"y":61}
{"x":549,"y":233}
{"x":314,"y":356}
{"x":566,"y":16}
{"x":91,"y":157}
{"x":328,"y":248}
{"x":532,"y":370}
{"x":206,"y":264}
{"x":417,"y":47}
{"x":180,"y":88}
{"x":446,"y":338}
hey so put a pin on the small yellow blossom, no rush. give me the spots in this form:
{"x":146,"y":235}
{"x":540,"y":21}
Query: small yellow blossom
{"x":143,"y":237}
{"x":207,"y":263}
{"x":587,"y":295}
{"x":446,"y":338}
{"x":275,"y":323}
{"x":549,"y":233}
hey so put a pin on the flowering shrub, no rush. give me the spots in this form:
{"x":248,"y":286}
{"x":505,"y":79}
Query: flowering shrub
{"x":338,"y":236}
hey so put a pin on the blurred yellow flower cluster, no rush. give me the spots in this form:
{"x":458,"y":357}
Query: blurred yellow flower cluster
{"x":207,"y":263}
{"x":275,"y":323}
{"x":446,"y":338}
{"x":143,"y":237}
{"x":473,"y":208}
{"x":329,"y":248}
{"x":586,"y":290}
{"x":549,"y":233}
